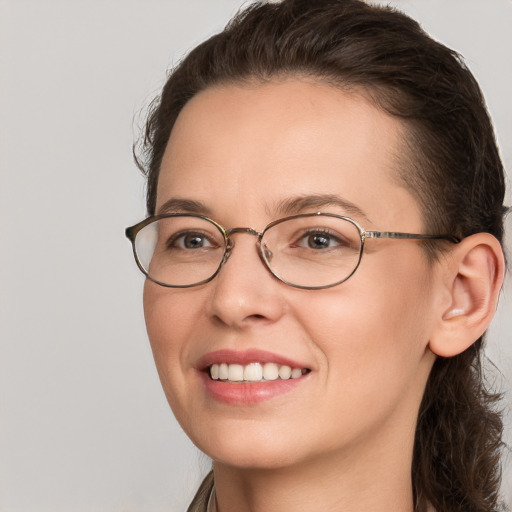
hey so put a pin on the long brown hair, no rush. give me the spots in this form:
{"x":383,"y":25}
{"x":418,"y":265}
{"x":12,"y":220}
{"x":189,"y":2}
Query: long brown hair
{"x":452,"y":166}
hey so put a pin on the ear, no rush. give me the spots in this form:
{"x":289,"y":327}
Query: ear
{"x":471,"y":277}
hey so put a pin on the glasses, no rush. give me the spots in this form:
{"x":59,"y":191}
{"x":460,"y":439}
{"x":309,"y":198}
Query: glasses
{"x":311,"y":251}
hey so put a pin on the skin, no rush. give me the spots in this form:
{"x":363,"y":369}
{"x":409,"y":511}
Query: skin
{"x":342,"y":439}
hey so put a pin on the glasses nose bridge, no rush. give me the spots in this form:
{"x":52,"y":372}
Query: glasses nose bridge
{"x":231,"y":244}
{"x":248,"y":231}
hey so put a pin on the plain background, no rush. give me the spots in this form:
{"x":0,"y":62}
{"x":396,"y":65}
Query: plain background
{"x":84,"y":425}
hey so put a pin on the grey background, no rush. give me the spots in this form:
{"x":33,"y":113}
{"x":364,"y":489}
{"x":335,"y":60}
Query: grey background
{"x":83,"y":422}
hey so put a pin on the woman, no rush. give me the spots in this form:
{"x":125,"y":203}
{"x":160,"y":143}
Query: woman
{"x":323,"y":253}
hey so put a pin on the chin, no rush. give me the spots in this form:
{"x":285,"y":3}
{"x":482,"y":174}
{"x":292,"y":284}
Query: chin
{"x":261,"y":450}
{"x":253,"y":459}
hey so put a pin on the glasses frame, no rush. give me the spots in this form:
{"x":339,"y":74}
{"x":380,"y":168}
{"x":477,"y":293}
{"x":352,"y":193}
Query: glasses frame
{"x":131,"y":234}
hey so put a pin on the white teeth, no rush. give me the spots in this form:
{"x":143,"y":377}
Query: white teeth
{"x":270,"y":371}
{"x":254,"y":372}
{"x":285,"y":372}
{"x":296,"y":373}
{"x":223,"y":371}
{"x":236,"y":372}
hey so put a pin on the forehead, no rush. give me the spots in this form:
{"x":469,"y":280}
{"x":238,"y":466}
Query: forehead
{"x":257,"y":144}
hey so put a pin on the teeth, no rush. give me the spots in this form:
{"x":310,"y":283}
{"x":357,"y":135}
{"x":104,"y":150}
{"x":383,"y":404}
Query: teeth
{"x":235,"y":372}
{"x":270,"y":371}
{"x":285,"y":372}
{"x":254,"y":372}
{"x":296,"y":373}
{"x":223,"y":371}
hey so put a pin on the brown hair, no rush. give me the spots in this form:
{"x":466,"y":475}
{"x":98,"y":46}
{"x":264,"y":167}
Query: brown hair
{"x":451,"y":165}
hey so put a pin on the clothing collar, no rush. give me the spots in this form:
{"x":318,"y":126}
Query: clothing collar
{"x":212,"y":502}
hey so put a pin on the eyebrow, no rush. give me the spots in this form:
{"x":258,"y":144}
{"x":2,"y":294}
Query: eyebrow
{"x":299,"y":204}
{"x":180,"y":205}
{"x":290,"y":206}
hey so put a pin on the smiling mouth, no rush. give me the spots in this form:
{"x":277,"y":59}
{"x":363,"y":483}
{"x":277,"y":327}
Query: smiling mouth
{"x":254,"y":372}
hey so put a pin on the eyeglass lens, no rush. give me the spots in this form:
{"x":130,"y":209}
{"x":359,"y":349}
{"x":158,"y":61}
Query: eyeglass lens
{"x":308,"y":251}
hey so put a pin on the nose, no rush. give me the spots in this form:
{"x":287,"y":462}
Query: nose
{"x":244,"y":292}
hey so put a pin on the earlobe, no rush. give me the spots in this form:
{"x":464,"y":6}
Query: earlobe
{"x":472,"y":280}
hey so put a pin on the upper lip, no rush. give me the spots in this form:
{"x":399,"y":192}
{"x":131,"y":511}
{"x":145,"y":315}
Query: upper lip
{"x":244,"y":357}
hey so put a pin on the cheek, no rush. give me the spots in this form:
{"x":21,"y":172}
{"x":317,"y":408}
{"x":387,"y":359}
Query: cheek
{"x":373,"y":331}
{"x":170,"y":319}
{"x":170,"y":316}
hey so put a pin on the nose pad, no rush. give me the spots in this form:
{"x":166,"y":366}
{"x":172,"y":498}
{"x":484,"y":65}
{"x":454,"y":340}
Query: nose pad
{"x":266,"y":253}
{"x":240,"y":295}
{"x":230,"y":244}
{"x":227,"y":253}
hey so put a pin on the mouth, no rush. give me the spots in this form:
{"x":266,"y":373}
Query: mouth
{"x":248,"y":377}
{"x":254,"y":372}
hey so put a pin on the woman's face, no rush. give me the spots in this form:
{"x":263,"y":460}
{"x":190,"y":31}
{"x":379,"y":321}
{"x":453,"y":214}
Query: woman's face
{"x":241,"y":153}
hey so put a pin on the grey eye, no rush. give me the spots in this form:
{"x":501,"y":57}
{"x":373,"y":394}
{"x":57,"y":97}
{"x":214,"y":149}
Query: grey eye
{"x":320,"y":240}
{"x":190,"y":240}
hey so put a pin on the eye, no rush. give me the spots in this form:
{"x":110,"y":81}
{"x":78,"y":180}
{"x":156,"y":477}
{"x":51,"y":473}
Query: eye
{"x":191,"y":240}
{"x":320,"y":239}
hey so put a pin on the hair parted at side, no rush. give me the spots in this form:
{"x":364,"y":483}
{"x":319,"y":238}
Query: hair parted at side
{"x":450,"y":163}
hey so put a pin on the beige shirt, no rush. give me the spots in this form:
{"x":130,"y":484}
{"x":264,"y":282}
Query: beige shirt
{"x":204,"y":499}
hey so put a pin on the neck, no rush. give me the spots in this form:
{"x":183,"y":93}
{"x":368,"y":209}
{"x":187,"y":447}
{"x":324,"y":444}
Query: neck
{"x":368,"y":479}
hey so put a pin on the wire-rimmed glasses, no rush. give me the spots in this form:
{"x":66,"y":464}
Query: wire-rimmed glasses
{"x":310,"y":250}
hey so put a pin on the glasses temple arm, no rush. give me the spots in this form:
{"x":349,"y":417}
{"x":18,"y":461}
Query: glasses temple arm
{"x":408,"y":236}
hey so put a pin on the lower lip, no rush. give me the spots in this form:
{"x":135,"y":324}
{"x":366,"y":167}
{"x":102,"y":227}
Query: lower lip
{"x":248,"y":393}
